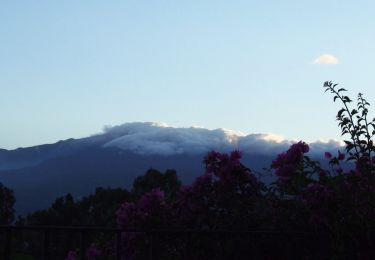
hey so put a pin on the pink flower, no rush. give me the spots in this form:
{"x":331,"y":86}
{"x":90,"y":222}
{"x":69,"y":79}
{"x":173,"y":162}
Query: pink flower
{"x":125,"y":215}
{"x":341,"y":156}
{"x":223,"y":165}
{"x":93,"y":252}
{"x":287,"y":163}
{"x":339,"y":170}
{"x":72,"y":255}
{"x":235,"y":155}
{"x":327,"y":155}
{"x":203,"y":180}
{"x":322,"y":174}
{"x":155,"y":196}
{"x":150,"y":209}
{"x":316,"y":194}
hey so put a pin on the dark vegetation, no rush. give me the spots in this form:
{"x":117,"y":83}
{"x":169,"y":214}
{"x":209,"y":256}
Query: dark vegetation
{"x":100,"y":208}
{"x":7,"y":201}
{"x":308,"y":213}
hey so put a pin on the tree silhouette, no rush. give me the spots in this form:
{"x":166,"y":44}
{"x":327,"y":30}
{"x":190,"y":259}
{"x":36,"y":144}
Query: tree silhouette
{"x":7,"y":201}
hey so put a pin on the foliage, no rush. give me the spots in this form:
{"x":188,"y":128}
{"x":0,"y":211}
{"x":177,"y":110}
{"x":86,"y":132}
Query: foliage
{"x":305,"y":197}
{"x":96,"y":209}
{"x":99,"y":209}
{"x":152,"y":179}
{"x":338,"y":203}
{"x":355,"y":123}
{"x":7,"y":201}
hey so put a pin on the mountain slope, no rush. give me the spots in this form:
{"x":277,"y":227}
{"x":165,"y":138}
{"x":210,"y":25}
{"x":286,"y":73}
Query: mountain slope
{"x":115,"y":157}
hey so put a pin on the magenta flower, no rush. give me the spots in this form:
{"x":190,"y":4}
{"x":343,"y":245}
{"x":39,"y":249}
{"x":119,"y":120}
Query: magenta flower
{"x":327,"y":155}
{"x":150,"y":209}
{"x":93,"y":252}
{"x":341,"y":156}
{"x":203,"y":180}
{"x":316,"y":194}
{"x":72,"y":255}
{"x":322,"y":174}
{"x":339,"y":170}
{"x":287,"y":163}
{"x":235,"y":155}
{"x":126,"y":214}
{"x":155,"y":196}
{"x":223,"y":165}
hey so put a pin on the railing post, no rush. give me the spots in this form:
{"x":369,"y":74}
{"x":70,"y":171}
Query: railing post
{"x":8,"y":243}
{"x":118,"y":245}
{"x":151,"y":252}
{"x":82,"y":244}
{"x":188,"y":247}
{"x":46,"y":243}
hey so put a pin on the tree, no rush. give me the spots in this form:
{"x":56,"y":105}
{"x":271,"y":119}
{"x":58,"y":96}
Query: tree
{"x":7,"y":201}
{"x":167,"y":182}
{"x":99,"y":208}
{"x":96,"y":209}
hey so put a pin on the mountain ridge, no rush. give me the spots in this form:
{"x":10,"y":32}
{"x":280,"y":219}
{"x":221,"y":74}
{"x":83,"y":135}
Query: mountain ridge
{"x":39,"y":174}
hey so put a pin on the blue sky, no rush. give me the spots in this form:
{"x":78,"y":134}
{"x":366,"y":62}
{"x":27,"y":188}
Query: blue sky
{"x":67,"y":68}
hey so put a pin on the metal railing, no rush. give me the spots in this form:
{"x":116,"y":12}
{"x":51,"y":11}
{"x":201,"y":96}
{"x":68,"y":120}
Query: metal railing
{"x":46,"y":232}
{"x":290,"y":242}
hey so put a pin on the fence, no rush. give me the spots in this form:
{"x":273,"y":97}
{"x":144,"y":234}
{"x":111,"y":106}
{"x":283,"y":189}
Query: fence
{"x":182,"y":244}
{"x":8,"y":232}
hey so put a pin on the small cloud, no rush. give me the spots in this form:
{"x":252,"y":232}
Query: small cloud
{"x":327,"y":59}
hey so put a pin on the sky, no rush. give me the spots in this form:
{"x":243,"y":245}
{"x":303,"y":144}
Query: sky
{"x":69,"y":68}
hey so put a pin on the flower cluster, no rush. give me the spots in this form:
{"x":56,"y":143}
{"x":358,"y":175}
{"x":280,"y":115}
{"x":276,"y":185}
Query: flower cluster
{"x":221,"y":164}
{"x":288,"y":165}
{"x":93,"y":252}
{"x":319,"y":199}
{"x":149,"y":211}
{"x":72,"y":255}
{"x":225,"y":194}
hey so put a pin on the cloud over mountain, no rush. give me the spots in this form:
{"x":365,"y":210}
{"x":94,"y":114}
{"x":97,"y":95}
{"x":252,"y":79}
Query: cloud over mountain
{"x":161,"y":139}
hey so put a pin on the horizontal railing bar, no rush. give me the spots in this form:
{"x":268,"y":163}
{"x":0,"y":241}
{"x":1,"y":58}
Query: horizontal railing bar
{"x":108,"y":229}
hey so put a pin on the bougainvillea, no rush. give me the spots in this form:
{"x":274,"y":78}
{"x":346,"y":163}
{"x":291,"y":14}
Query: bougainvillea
{"x":72,"y":255}
{"x":149,"y":211}
{"x":289,"y":167}
{"x":305,"y":197}
{"x":226,"y":195}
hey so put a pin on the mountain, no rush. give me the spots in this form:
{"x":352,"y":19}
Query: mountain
{"x":117,"y":156}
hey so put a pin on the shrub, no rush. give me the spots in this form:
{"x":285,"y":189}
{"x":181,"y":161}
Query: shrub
{"x":305,"y":197}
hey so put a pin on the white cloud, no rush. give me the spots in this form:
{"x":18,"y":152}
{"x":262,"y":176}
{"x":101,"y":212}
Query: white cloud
{"x":327,"y":59}
{"x":159,"y":138}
